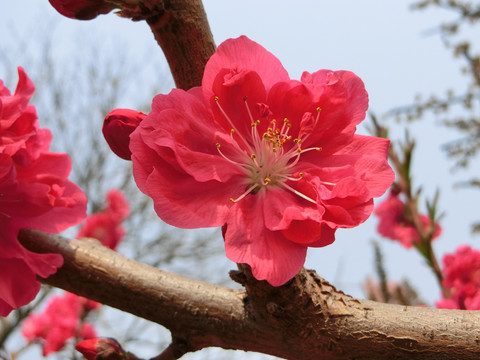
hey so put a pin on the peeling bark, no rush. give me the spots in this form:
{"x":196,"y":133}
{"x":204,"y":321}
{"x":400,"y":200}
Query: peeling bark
{"x":307,"y":318}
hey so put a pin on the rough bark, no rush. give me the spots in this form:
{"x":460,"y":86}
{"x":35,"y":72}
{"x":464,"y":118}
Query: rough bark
{"x":305,"y":319}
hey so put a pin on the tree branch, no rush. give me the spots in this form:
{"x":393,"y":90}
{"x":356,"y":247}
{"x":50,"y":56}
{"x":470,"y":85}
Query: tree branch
{"x":181,"y":29}
{"x":305,"y":319}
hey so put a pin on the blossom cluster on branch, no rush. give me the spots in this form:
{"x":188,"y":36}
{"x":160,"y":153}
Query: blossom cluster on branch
{"x":462,"y":278}
{"x":63,"y":318}
{"x":396,"y":223}
{"x":34,"y":193}
{"x":59,"y":322}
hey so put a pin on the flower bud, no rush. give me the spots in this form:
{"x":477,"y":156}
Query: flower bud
{"x":117,"y":127}
{"x":82,"y":9}
{"x":100,"y":349}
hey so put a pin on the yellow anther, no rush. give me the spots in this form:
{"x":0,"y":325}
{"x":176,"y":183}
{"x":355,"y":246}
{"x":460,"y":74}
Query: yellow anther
{"x":216,"y":98}
{"x":300,"y":174}
{"x":268,"y":180}
{"x":232,"y":131}
{"x":218,"y":145}
{"x":299,"y":150}
{"x":253,"y":156}
{"x":232,"y":200}
{"x":318,"y":109}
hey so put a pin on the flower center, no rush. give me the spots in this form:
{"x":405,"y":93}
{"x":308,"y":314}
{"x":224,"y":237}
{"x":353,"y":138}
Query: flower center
{"x":269,"y":159}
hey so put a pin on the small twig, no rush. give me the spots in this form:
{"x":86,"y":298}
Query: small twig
{"x":174,"y":351}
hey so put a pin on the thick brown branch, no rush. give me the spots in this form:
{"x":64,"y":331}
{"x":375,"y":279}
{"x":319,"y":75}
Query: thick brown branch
{"x":305,"y":319}
{"x":182,"y":31}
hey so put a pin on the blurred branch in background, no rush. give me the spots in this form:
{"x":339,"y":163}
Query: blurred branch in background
{"x":457,"y":109}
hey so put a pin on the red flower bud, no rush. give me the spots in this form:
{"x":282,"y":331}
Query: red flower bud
{"x":117,"y":127}
{"x":101,"y":349}
{"x":81,"y":9}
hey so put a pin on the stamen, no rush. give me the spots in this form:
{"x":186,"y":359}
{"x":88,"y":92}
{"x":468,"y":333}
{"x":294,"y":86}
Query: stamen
{"x":291,"y":178}
{"x":230,"y":160}
{"x":296,"y":192}
{"x":328,"y":183}
{"x":265,"y":157}
{"x":231,"y":124}
{"x":310,"y":149}
{"x":248,"y":191}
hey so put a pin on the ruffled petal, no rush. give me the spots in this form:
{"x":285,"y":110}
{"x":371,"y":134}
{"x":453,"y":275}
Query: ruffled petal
{"x":179,"y":199}
{"x":182,"y":123}
{"x":372,"y":165}
{"x":343,"y":100}
{"x":18,"y":285}
{"x":310,"y":233}
{"x":243,"y":54}
{"x":234,"y":98}
{"x":281,"y":207}
{"x":271,"y":256}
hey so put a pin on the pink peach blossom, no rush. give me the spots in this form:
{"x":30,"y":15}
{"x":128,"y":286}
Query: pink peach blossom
{"x":106,"y":225}
{"x":34,"y":193}
{"x":461,"y":271}
{"x":395,"y":224}
{"x":59,"y":322}
{"x":275,"y":160}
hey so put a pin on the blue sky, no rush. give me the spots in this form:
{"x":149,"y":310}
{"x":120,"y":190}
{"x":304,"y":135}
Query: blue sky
{"x":383,"y":42}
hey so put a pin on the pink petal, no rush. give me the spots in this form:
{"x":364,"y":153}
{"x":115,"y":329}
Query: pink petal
{"x":310,"y":233}
{"x":182,"y":123}
{"x":18,"y":285}
{"x":271,"y":256}
{"x":343,"y":100}
{"x":243,"y":54}
{"x":244,"y":90}
{"x":181,"y":201}
{"x":281,"y":207}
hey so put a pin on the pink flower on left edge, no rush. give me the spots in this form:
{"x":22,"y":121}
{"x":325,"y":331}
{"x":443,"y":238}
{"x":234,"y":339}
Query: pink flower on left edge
{"x":59,"y":322}
{"x":34,"y":193}
{"x":275,"y":160}
{"x":106,"y":226}
{"x":461,"y":276}
{"x":393,"y":222}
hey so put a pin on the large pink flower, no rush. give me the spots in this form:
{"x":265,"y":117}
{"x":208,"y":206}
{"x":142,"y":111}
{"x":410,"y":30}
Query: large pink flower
{"x":34,"y":193}
{"x":461,"y":271}
{"x":396,"y":225}
{"x":275,"y":160}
